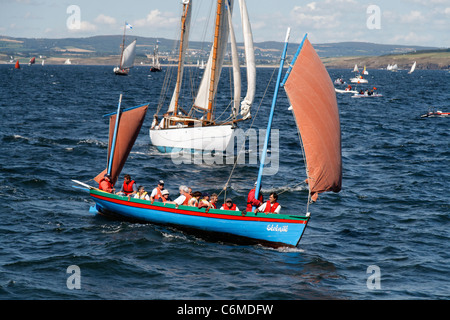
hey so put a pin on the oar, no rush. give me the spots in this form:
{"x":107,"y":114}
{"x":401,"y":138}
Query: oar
{"x":84,"y":184}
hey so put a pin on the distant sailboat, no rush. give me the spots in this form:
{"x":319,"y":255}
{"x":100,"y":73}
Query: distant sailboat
{"x":68,"y":61}
{"x":17,"y":66}
{"x":365,"y":72}
{"x":156,"y":65}
{"x":32,"y":61}
{"x":184,"y":130}
{"x":43,"y":62}
{"x":358,"y":78}
{"x":412,"y":68}
{"x":127,"y":55}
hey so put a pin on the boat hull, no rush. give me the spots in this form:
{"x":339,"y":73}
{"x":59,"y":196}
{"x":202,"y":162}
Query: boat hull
{"x":358,"y":80}
{"x":121,"y":72}
{"x":366,"y":95}
{"x":210,"y":138}
{"x":155,"y":69}
{"x":232,"y":226}
{"x":436,"y":114}
{"x":345,"y":91}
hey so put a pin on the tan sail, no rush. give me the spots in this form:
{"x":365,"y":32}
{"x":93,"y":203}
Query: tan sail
{"x":313,"y":99}
{"x":130,"y":123}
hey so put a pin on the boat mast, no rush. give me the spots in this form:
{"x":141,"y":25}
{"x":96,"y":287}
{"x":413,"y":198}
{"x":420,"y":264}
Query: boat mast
{"x":186,"y":8}
{"x":113,"y":144}
{"x":123,"y":45}
{"x":269,"y":125}
{"x":214,"y":60}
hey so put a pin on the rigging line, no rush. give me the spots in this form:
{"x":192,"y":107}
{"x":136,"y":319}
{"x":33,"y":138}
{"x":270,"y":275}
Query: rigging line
{"x":170,"y":68}
{"x":195,"y":74}
{"x":306,"y":167}
{"x":217,"y":118}
{"x":165,"y":88}
{"x":251,"y":125}
{"x":295,"y":185}
{"x":166,"y":83}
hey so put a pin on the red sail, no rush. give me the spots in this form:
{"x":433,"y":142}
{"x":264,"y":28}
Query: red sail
{"x":17,"y":66}
{"x":32,"y":60}
{"x":313,"y":98}
{"x":130,"y":123}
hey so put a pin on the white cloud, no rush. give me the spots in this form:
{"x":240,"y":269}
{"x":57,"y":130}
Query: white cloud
{"x":103,"y":19}
{"x":315,"y":17}
{"x":311,"y":6}
{"x":412,"y":38}
{"x":157,"y":19}
{"x":85,"y":26}
{"x":412,"y":17}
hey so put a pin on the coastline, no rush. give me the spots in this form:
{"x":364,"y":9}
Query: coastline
{"x":425,"y":61}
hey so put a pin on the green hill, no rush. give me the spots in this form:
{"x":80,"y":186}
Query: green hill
{"x":106,"y":50}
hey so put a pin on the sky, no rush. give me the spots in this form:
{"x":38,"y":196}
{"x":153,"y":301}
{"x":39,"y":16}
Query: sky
{"x":405,"y":22}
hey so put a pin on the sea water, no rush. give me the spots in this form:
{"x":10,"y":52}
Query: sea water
{"x":384,"y":236}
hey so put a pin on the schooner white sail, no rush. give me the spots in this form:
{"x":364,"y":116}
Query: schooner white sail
{"x":179,"y":129}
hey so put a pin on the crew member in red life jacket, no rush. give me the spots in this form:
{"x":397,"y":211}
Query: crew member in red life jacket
{"x":106,"y":185}
{"x":128,"y":187}
{"x":251,"y":201}
{"x":229,"y":205}
{"x":271,"y":206}
{"x":156,"y":193}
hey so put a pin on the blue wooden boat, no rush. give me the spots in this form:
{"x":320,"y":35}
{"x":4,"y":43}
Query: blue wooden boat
{"x":272,"y":230}
{"x":313,"y":103}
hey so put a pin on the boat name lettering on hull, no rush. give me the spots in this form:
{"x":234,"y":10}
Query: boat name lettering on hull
{"x":276,"y":228}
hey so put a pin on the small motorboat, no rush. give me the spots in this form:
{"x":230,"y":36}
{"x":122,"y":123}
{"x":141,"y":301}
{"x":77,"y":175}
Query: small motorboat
{"x":438,"y":113}
{"x":359,"y":79}
{"x":366,"y":95}
{"x":345,"y":91}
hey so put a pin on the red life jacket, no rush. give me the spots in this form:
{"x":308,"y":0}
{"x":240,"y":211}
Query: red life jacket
{"x":158,"y":194}
{"x":105,"y":185}
{"x":271,"y":208}
{"x":128,"y":187}
{"x":186,"y":201}
{"x":251,"y":201}
{"x":225,"y":207}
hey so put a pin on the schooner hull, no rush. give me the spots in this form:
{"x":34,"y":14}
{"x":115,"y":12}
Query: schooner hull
{"x":274,"y":230}
{"x":210,"y":138}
